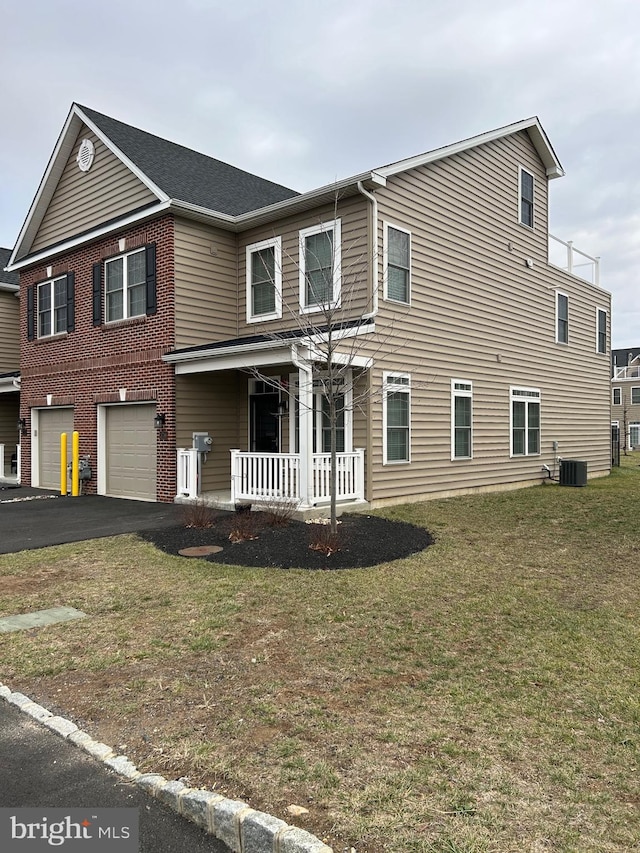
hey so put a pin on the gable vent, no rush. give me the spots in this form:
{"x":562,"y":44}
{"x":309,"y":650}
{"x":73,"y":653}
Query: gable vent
{"x":85,"y":156}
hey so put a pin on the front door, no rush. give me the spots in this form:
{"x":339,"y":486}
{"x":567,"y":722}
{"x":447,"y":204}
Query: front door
{"x":265,"y":427}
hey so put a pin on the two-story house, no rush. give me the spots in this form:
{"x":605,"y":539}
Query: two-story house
{"x":625,"y":396}
{"x":9,"y":369}
{"x":167,"y":297}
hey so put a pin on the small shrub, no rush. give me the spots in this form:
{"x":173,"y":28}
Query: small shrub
{"x":278,"y":512}
{"x":322,"y":539}
{"x":243,"y":527}
{"x":198,"y":514}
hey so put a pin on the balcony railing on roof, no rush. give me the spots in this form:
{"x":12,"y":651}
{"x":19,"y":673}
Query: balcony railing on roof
{"x":572,"y":260}
{"x":629,"y":372}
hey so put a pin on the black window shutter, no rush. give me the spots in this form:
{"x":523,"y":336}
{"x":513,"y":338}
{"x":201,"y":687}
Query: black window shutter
{"x":152,"y":303}
{"x":31,"y":313}
{"x":71,"y":302}
{"x":97,"y":294}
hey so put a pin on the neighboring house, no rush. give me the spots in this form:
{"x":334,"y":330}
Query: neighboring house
{"x":160,"y":287}
{"x":625,"y":395}
{"x":9,"y":368}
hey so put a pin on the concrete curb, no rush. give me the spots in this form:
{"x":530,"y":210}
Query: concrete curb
{"x":240,"y":827}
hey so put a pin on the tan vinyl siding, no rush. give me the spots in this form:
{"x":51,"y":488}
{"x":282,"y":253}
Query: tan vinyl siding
{"x":480,"y":314}
{"x":9,"y":413}
{"x":353,"y":215}
{"x":10,"y":326}
{"x":213,"y":403}
{"x":206,"y":284}
{"x":85,"y":200}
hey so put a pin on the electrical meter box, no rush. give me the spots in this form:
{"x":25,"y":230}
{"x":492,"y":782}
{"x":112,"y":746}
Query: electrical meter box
{"x":202,"y":442}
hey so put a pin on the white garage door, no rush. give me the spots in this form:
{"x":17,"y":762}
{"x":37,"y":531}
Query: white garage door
{"x":51,"y":424}
{"x":131,"y":452}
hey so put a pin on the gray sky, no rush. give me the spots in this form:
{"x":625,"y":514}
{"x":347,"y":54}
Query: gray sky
{"x":306,"y":92}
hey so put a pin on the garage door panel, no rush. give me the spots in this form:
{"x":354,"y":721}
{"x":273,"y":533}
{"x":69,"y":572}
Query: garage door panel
{"x":131,"y":452}
{"x":51,"y":424}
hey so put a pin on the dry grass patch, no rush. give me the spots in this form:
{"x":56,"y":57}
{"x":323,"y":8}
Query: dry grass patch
{"x":478,"y":697}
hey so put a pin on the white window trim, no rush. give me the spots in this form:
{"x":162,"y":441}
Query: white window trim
{"x":458,"y":392}
{"x":276,"y":243}
{"x":388,"y":385}
{"x":385,"y":263}
{"x":560,"y":293}
{"x":633,"y":402}
{"x":606,"y":335}
{"x":317,"y":410}
{"x":125,"y":286}
{"x":335,"y":226}
{"x":613,"y":396}
{"x":521,"y":169}
{"x":52,"y":310}
{"x":534,"y":395}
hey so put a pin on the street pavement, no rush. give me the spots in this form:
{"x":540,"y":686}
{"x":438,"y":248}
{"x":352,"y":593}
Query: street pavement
{"x":40,"y":769}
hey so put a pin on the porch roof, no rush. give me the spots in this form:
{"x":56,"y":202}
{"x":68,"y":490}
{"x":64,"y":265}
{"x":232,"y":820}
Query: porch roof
{"x":261,"y":350}
{"x":9,"y":382}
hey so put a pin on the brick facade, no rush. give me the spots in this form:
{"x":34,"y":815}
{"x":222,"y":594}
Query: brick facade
{"x":90,"y":365}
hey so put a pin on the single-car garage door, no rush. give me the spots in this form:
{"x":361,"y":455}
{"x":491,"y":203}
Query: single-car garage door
{"x":131,"y":452}
{"x":51,"y":423}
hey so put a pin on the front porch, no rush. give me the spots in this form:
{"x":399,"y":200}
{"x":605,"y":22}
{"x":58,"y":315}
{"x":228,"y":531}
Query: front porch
{"x":262,"y":479}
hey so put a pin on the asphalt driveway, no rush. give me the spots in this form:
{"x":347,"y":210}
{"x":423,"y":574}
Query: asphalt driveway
{"x":35,"y":518}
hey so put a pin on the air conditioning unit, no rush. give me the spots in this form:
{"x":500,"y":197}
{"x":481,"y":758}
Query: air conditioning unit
{"x":573,"y":472}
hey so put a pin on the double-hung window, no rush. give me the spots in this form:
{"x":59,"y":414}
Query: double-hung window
{"x":601,"y":331}
{"x":397,"y":264}
{"x":562,"y":318}
{"x":126,"y":286}
{"x":616,"y":397}
{"x":52,"y":307}
{"x":320,"y":267}
{"x":526,"y":198}
{"x":461,"y":419}
{"x":635,"y":396}
{"x":264,"y":280}
{"x":525,"y":421}
{"x":396,"y":414}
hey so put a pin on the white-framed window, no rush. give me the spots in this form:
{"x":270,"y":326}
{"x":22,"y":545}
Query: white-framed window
{"x":634,"y":435}
{"x":526,"y":195}
{"x":264,"y":280}
{"x":616,"y":396}
{"x":562,"y":318}
{"x":635,"y":396}
{"x":125,"y":285}
{"x":397,"y":264}
{"x":396,"y":416}
{"x":525,"y":421}
{"x":321,"y":417}
{"x":461,"y":419}
{"x":52,"y":307}
{"x":601,"y":331}
{"x":320,"y":266}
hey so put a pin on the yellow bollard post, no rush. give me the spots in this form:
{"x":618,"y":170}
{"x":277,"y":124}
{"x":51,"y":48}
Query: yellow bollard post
{"x":63,"y":464}
{"x":75,"y":464}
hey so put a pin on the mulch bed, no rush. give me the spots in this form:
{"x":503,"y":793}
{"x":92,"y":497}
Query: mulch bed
{"x":363,"y":540}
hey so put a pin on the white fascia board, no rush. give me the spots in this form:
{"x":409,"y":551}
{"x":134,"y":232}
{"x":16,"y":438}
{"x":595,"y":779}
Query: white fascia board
{"x":214,"y":352}
{"x":154,"y":188}
{"x":237,"y":361}
{"x":342,"y":358}
{"x":9,"y":383}
{"x":54,"y":170}
{"x":11,"y":288}
{"x":531,"y":125}
{"x":118,"y":225}
{"x":340,"y":334}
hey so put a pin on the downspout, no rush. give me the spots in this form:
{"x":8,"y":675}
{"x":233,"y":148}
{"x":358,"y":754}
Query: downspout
{"x":374,"y":252}
{"x":306,"y":438}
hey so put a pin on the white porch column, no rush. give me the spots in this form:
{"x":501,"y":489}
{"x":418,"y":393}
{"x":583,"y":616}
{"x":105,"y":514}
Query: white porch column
{"x":305,"y":393}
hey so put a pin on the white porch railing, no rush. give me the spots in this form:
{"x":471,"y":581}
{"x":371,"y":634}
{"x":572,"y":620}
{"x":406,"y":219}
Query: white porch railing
{"x":7,"y":462}
{"x":630,"y":372}
{"x":567,"y":257}
{"x":188,"y":473}
{"x":276,"y":476}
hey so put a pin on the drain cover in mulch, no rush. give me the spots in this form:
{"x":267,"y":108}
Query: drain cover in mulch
{"x":200,"y":551}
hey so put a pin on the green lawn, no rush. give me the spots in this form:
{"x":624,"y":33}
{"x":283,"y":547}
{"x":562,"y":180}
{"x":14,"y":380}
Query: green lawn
{"x":480,"y":697}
